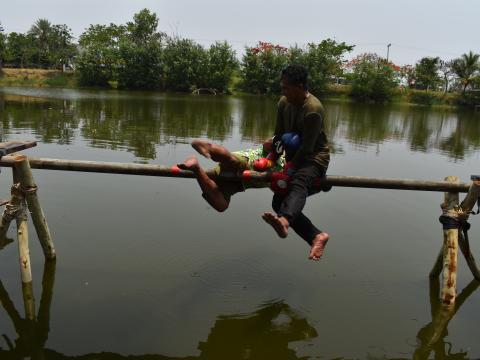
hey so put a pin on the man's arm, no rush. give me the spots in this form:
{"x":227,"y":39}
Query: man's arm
{"x":313,"y":125}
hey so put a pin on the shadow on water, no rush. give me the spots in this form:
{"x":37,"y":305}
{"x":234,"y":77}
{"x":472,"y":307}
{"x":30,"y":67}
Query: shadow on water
{"x":263,"y":334}
{"x":139,"y":123}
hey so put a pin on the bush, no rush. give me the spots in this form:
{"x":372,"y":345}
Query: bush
{"x":423,"y":97}
{"x":469,"y":98}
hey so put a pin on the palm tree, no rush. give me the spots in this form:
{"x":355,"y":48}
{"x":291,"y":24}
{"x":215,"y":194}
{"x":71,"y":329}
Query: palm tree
{"x":41,"y":31}
{"x":466,"y":67}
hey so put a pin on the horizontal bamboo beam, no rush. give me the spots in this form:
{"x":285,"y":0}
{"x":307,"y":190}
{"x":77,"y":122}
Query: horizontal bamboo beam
{"x":166,"y":171}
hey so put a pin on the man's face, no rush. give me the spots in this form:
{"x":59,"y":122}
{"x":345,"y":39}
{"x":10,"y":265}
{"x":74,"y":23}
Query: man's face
{"x":294,"y":93}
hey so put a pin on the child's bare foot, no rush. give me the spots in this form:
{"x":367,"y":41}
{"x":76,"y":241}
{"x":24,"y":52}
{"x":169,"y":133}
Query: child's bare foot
{"x":318,"y":246}
{"x":279,"y":224}
{"x":202,"y":147}
{"x":190,"y":163}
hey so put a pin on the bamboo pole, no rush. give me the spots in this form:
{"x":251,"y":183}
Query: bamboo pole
{"x":24,"y":256}
{"x":465,"y":248}
{"x":25,"y":178}
{"x":450,"y":247}
{"x":173,"y":171}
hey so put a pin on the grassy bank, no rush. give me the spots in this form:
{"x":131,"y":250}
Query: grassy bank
{"x":37,"y":78}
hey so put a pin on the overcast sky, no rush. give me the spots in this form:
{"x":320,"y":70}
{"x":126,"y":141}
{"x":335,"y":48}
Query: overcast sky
{"x":415,"y":28}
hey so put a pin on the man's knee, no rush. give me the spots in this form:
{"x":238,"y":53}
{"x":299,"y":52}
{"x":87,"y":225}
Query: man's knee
{"x":216,"y":201}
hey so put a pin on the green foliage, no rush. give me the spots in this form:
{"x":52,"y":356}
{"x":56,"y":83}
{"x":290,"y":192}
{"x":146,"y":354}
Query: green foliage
{"x":423,"y":97}
{"x":261,"y":68}
{"x":52,"y":44}
{"x":466,"y":68}
{"x":141,"y":66}
{"x":469,"y":98}
{"x":45,"y":45}
{"x":99,"y":57}
{"x":373,"y":78}
{"x":141,"y":53}
{"x":262,"y":65}
{"x":184,"y":65}
{"x":220,"y":67}
{"x":3,"y":46}
{"x":426,"y":73}
{"x":324,"y":61}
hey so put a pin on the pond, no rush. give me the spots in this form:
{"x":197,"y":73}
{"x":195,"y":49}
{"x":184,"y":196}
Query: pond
{"x":146,"y":268}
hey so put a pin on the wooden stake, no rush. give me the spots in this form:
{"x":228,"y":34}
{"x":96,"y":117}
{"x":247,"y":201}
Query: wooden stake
{"x":25,"y":177}
{"x":450,"y":247}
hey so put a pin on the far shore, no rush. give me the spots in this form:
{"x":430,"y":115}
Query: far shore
{"x":42,"y":78}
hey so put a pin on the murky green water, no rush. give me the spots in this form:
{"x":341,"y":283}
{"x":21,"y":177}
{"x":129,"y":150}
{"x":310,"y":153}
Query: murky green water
{"x":145,"y":266}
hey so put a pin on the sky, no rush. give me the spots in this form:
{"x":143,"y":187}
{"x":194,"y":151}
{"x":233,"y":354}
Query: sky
{"x":414,"y":28}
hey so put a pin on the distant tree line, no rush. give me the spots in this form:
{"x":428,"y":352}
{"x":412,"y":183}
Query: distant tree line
{"x":136,"y":55}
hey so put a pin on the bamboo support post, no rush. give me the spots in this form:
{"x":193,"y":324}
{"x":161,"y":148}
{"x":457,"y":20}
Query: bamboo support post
{"x":462,"y":213}
{"x":24,"y":257}
{"x":24,"y":174}
{"x":450,"y":247}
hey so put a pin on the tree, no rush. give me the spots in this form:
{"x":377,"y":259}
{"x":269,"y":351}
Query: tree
{"x":99,"y":57}
{"x":446,"y":72}
{"x":141,"y":53}
{"x":143,"y":29}
{"x":20,"y":50}
{"x":221,"y":64}
{"x":324,"y":61}
{"x":261,"y":68}
{"x":41,"y":32}
{"x":3,"y":46}
{"x":184,"y":64}
{"x":466,"y":67}
{"x":372,"y":78}
{"x":61,"y":48}
{"x":426,"y":73}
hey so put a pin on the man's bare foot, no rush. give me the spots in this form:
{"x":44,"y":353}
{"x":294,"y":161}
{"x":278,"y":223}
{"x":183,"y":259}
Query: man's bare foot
{"x":202,"y":147}
{"x":318,"y":246}
{"x":190,"y":163}
{"x":279,"y":224}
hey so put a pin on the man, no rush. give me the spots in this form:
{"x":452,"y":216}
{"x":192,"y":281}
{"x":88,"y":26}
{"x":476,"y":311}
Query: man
{"x":218,"y":192}
{"x":301,"y":112}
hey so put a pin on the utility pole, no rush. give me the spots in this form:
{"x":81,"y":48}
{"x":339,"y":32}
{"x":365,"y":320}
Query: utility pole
{"x":388,"y":50}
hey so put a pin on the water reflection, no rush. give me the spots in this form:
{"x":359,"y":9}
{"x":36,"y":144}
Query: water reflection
{"x":32,"y":334}
{"x":432,"y":336}
{"x":264,"y":334}
{"x":139,"y":122}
